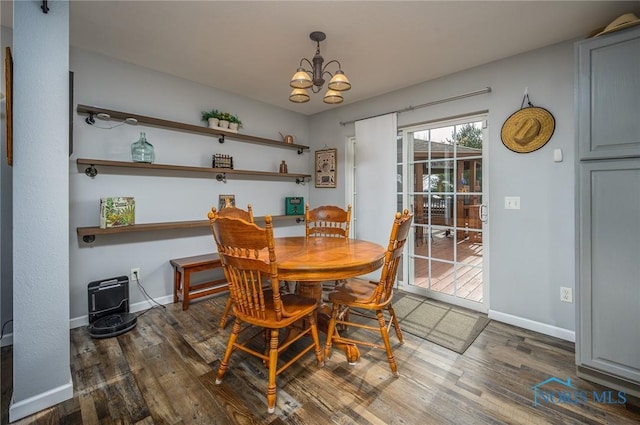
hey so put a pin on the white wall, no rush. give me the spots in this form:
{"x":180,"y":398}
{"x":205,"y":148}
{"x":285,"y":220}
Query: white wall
{"x":162,"y":197}
{"x":531,"y":249}
{"x":41,"y":353}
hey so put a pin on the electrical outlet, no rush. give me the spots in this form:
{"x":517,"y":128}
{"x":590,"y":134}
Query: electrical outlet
{"x":511,"y":202}
{"x":566,"y":294}
{"x":135,"y":271}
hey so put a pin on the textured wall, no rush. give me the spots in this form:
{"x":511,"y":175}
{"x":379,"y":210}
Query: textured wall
{"x":41,"y":374}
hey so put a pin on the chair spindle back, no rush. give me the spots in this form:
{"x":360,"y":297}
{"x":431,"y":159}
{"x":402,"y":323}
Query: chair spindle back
{"x":397,"y":240}
{"x":248,"y":256}
{"x":328,"y":221}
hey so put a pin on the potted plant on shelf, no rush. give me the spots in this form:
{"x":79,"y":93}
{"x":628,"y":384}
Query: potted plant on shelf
{"x":212,"y":117}
{"x":234,"y":122}
{"x":224,"y":119}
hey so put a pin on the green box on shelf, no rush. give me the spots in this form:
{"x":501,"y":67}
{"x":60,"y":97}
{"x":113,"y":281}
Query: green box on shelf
{"x":117,"y":212}
{"x":294,"y":205}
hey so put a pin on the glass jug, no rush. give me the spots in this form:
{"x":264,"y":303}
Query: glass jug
{"x":142,"y":150}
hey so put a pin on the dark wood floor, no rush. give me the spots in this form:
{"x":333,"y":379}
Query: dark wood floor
{"x":163,"y":372}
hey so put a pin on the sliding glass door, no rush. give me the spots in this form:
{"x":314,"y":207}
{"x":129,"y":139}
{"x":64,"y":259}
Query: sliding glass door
{"x":442,"y":180}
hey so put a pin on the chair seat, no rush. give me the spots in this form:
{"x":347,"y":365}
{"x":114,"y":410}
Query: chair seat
{"x":358,"y":291}
{"x":294,"y":307}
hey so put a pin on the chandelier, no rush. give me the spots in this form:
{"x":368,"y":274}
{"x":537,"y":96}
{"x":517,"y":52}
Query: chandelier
{"x":301,"y":80}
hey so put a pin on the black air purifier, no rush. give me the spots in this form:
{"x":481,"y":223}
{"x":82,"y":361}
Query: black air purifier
{"x":109,"y":308}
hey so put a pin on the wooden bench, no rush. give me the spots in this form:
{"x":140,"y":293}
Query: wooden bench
{"x":182,"y":270}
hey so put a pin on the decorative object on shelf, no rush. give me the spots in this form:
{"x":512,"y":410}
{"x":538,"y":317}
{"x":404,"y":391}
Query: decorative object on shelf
{"x":286,"y":139}
{"x":226,"y":201}
{"x":283,"y":167}
{"x":222,"y":161}
{"x":293,"y":205}
{"x":142,"y":150}
{"x":234,"y":122}
{"x":117,"y":212}
{"x":222,"y":120}
{"x":325,"y":169}
{"x":211,"y":117}
{"x":301,"y":80}
{"x":621,"y":22}
{"x":91,"y":120}
{"x":528,"y":129}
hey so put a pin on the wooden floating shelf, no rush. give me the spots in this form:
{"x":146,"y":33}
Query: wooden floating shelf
{"x":88,"y":234}
{"x":214,"y":132}
{"x":220,"y":173}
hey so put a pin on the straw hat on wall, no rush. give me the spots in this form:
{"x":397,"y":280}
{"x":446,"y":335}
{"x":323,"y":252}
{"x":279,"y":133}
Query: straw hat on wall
{"x":528,"y":129}
{"x":621,"y":22}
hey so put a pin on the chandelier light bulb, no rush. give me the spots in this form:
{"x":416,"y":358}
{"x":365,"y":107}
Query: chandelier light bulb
{"x":299,"y":96}
{"x":333,"y":97}
{"x":339,"y":82}
{"x":301,"y":79}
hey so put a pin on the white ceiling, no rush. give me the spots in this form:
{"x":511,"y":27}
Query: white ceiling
{"x":252,"y":48}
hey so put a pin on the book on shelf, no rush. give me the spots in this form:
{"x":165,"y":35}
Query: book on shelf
{"x":117,"y":212}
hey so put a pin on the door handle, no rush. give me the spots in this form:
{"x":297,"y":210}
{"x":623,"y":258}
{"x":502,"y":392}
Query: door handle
{"x":484,"y":217}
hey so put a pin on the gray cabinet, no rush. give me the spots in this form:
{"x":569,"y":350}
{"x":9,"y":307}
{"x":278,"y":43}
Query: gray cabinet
{"x":608,"y":210}
{"x":608,"y":95}
{"x":608,"y":338}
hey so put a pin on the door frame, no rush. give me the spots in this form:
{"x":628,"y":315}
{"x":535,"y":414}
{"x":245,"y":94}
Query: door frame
{"x":407,"y":180}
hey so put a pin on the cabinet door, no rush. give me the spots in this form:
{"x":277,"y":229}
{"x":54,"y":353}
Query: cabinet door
{"x":608,"y":95}
{"x":609,"y":267}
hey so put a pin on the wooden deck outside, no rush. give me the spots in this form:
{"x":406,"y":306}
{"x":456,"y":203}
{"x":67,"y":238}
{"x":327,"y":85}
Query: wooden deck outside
{"x":468,"y":270}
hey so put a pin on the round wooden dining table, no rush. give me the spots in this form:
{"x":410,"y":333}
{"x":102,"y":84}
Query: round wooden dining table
{"x":302,"y":258}
{"x":311,"y":260}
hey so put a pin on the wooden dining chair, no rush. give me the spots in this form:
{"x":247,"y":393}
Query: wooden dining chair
{"x":232,"y":212}
{"x":327,"y":221}
{"x":248,"y":256}
{"x":361,"y":298}
{"x":235,"y":212}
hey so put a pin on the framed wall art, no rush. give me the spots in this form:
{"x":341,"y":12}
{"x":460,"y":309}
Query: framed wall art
{"x":8,"y":87}
{"x":226,"y":200}
{"x":326,"y":167}
{"x":70,"y":113}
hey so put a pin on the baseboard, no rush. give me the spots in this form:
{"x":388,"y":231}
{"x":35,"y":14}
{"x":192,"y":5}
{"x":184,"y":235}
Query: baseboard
{"x":40,"y":402}
{"x":143,"y":305}
{"x":543,"y":328}
{"x":611,"y":381}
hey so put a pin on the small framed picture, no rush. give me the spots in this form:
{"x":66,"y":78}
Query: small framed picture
{"x":226,"y":201}
{"x":326,"y":167}
{"x":8,"y":86}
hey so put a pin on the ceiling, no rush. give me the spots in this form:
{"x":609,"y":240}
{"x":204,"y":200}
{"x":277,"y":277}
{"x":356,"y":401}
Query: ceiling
{"x":252,"y":48}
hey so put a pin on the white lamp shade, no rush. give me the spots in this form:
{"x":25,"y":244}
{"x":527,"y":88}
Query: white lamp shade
{"x":333,"y":97}
{"x":339,"y":82}
{"x":299,"y":96}
{"x":301,"y":80}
